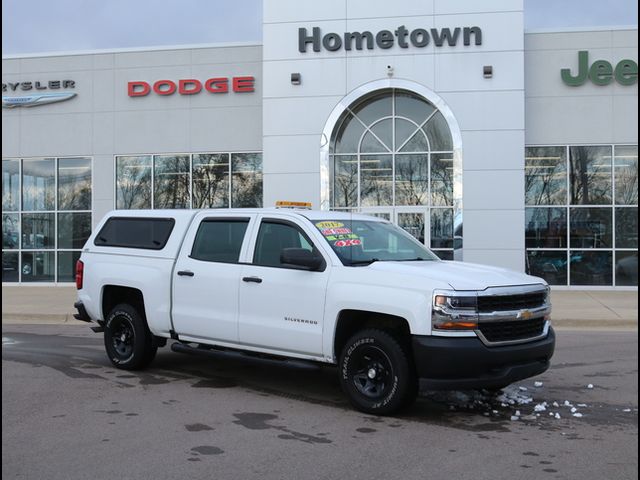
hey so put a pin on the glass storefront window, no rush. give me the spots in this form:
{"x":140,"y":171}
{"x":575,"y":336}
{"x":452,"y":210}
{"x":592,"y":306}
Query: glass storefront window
{"x":412,"y":179}
{"x":590,"y":267}
{"x":391,"y":155}
{"x":171,"y":181}
{"x":38,"y":184}
{"x":598,"y":221}
{"x":211,"y":180}
{"x":442,"y":228}
{"x":133,"y":182}
{"x":246,"y":180}
{"x":10,"y":267}
{"x":590,"y":175}
{"x":545,"y":176}
{"x":442,"y":179}
{"x":67,"y":266}
{"x":10,"y":185}
{"x":10,"y":231}
{"x":626,"y":174}
{"x":46,"y":208}
{"x":550,"y":265}
{"x":74,"y":184}
{"x":200,"y":180}
{"x":546,"y":228}
{"x":626,"y":268}
{"x":73,"y":230}
{"x":344,"y":187}
{"x":38,"y":230}
{"x":38,"y":266}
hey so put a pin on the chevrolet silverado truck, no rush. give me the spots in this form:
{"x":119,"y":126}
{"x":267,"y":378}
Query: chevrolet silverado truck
{"x":339,"y":288}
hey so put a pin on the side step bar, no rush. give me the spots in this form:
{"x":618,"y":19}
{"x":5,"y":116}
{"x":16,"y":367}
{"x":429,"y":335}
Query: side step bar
{"x":220,"y":354}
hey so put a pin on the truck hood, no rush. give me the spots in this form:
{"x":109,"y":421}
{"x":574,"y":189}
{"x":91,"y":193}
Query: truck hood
{"x":459,"y":275}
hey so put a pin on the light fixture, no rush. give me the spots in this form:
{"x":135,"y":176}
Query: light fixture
{"x":296,"y":79}
{"x":487,"y":71}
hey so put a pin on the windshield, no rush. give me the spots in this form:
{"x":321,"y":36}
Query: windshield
{"x":362,"y":242}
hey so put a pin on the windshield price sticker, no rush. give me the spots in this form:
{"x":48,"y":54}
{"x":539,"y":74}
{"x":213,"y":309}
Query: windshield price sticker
{"x":348,"y":243}
{"x":323,"y":225}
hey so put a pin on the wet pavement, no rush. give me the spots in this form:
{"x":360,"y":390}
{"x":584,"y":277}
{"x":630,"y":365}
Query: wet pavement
{"x":68,"y":413}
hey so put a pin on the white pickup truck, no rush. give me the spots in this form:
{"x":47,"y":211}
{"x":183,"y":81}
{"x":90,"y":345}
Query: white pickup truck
{"x":339,"y":288}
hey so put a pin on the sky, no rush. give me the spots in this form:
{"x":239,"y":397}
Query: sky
{"x":38,"y":26}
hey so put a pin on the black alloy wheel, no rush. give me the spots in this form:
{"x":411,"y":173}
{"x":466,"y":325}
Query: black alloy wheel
{"x":127,"y":338}
{"x":376,"y":373}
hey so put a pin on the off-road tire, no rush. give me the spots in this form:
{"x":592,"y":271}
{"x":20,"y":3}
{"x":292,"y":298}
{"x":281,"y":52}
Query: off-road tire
{"x":376,"y":373}
{"x":127,"y":338}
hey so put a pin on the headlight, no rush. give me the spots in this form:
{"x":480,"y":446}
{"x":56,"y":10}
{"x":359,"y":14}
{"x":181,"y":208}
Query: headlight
{"x":454,"y":310}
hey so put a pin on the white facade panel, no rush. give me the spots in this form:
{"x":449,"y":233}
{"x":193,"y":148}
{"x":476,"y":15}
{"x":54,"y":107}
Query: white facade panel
{"x":103,"y":133}
{"x":361,"y":70}
{"x":511,"y":259}
{"x":62,"y":64}
{"x":152,"y":131}
{"x":494,"y":230}
{"x":501,"y":31}
{"x":625,"y":119}
{"x":64,"y":134}
{"x":386,"y":9}
{"x":487,"y":110}
{"x":298,"y":187}
{"x":296,"y":116}
{"x":464,"y":72}
{"x":10,"y":136}
{"x":285,"y":154}
{"x":492,"y":150}
{"x":225,"y":129}
{"x":155,"y":58}
{"x":560,"y":120}
{"x":479,"y":194}
{"x":471,"y":6}
{"x":314,"y":81}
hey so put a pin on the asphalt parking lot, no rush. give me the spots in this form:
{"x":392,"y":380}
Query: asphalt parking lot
{"x":68,"y":414}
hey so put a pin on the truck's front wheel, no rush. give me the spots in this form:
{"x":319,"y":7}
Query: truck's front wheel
{"x":127,"y":338}
{"x":376,"y":373}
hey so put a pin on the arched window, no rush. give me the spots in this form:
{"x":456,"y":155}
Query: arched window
{"x":391,"y":154}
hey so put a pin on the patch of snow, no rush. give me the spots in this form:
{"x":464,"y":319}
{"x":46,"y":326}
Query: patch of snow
{"x":577,"y":415}
{"x":590,"y":386}
{"x":538,"y":384}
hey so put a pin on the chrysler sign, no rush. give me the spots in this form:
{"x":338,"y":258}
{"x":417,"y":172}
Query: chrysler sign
{"x":38,"y":93}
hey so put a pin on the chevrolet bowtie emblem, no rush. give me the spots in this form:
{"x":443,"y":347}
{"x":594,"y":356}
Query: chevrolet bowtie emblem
{"x":525,"y":315}
{"x":35,"y":99}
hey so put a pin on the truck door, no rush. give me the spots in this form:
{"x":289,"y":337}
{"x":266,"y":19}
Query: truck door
{"x":207,"y":276}
{"x":281,"y":307}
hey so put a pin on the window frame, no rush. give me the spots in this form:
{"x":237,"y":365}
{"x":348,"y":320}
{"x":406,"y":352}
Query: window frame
{"x":305,"y":235}
{"x":246,"y":220}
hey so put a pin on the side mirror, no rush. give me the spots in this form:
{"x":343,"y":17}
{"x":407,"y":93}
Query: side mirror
{"x":300,"y":257}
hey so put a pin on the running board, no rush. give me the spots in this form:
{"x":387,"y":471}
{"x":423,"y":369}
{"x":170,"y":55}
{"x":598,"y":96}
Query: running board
{"x":262,"y":358}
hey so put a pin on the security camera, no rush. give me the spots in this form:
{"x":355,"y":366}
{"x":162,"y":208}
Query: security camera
{"x":389,"y":70}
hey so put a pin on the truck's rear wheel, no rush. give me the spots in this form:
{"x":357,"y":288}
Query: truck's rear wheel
{"x":127,"y":338}
{"x":376,"y":373}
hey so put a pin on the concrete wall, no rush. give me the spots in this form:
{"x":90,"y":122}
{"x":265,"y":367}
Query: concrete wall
{"x":489,"y":112}
{"x":103,"y":121}
{"x":588,"y":114}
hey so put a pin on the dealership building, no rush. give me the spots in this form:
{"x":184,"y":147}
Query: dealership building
{"x":487,"y":142}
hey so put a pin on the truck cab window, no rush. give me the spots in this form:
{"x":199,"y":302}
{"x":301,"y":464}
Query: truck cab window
{"x":272,"y":238}
{"x":219,"y":240}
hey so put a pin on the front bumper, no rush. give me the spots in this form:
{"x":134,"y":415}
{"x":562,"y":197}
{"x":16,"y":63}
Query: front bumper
{"x":447,"y":363}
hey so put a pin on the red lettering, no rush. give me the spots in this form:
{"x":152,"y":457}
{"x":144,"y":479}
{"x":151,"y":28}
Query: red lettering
{"x":243,"y":84}
{"x":189,"y":86}
{"x":217,"y":85}
{"x":164,"y":87}
{"x":138,"y":89}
